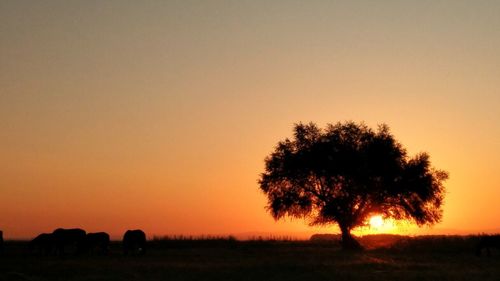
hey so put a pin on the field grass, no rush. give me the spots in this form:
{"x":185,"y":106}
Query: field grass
{"x":402,"y":258}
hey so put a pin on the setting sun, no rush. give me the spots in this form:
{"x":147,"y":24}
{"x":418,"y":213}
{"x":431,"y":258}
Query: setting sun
{"x":376,"y":221}
{"x":376,"y":224}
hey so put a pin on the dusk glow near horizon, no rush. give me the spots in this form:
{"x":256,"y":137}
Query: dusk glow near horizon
{"x":159,"y":114}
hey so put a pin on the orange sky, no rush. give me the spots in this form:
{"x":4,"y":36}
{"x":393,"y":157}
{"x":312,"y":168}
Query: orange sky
{"x":159,"y":115}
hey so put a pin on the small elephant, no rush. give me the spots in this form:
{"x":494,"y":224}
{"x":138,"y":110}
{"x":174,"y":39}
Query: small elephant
{"x":73,"y":239}
{"x":134,"y":242}
{"x":97,"y":241}
{"x":43,"y":244}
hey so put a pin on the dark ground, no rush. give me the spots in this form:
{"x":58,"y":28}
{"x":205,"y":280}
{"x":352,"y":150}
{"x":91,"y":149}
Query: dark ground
{"x":421,"y":258}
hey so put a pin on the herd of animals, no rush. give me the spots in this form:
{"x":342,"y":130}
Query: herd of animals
{"x":78,"y":241}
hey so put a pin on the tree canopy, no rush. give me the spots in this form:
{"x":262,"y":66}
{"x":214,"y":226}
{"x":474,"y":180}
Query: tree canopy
{"x":345,"y":173}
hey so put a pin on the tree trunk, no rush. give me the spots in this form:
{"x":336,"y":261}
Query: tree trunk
{"x":348,"y":242}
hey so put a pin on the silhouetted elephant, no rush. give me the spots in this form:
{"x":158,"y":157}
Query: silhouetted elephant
{"x":97,"y":241}
{"x":71,"y":239}
{"x":487,"y":242}
{"x":134,"y":242}
{"x":43,"y":244}
{"x":1,"y":241}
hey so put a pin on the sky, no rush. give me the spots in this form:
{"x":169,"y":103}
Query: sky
{"x":158,"y":115}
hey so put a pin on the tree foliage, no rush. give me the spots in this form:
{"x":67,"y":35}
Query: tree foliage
{"x":347,"y":172}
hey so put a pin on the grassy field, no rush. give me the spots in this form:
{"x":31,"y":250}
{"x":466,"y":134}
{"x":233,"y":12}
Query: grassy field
{"x":388,"y":258}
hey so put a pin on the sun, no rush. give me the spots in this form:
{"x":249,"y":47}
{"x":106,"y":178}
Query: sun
{"x":377,"y":224}
{"x":376,"y":221}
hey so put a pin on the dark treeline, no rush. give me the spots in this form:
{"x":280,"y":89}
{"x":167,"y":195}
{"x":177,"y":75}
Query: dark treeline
{"x":76,"y":242}
{"x":222,"y":258}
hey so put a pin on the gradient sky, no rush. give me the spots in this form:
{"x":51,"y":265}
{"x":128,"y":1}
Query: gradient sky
{"x":159,"y":114}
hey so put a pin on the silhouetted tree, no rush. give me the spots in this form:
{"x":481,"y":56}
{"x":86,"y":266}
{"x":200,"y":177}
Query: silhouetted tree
{"x":347,"y":172}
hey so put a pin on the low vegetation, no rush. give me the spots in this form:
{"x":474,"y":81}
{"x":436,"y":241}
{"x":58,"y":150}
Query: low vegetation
{"x":388,"y":257}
